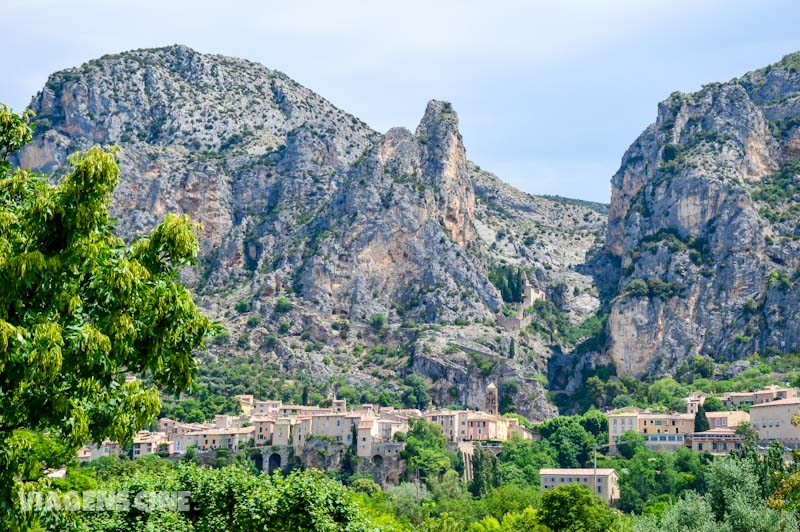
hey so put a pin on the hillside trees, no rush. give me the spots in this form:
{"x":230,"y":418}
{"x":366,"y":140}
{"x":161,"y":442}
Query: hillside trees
{"x":509,"y":280}
{"x":485,"y":470}
{"x":79,"y":310}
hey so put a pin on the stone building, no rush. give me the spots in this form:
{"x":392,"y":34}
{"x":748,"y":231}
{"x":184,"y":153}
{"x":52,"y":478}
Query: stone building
{"x":773,"y":421}
{"x":491,"y":405}
{"x":719,"y":441}
{"x":662,"y":432}
{"x":603,"y":482}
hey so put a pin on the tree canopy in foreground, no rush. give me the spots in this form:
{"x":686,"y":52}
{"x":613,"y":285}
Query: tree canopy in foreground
{"x":79,"y":311}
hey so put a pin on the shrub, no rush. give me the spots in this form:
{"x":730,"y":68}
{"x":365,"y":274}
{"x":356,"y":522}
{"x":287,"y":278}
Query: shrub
{"x":243,"y":340}
{"x":283,"y":305}
{"x":377,"y":321}
{"x":637,"y":288}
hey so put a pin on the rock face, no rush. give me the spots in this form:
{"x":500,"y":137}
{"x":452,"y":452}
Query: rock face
{"x":703,"y":221}
{"x":302,"y":202}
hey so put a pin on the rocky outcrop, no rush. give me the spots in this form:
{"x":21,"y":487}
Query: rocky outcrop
{"x":703,"y":221}
{"x":313,"y":223}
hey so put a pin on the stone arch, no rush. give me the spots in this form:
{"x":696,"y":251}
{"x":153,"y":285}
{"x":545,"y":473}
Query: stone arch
{"x":377,"y":460}
{"x":274,"y":462}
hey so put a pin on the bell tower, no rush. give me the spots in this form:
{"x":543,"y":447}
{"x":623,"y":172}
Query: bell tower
{"x":491,"y":399}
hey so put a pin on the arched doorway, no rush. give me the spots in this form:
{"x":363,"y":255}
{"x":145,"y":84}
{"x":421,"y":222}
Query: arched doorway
{"x":377,"y":460}
{"x":274,"y":462}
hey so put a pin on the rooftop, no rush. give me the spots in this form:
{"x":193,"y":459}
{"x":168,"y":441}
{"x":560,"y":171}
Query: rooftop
{"x":779,"y":402}
{"x":725,"y":413}
{"x":718,"y":430}
{"x":578,"y":472}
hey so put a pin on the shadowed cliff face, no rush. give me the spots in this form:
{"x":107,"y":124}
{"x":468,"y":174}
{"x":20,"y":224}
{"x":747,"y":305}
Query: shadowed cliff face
{"x":706,"y":239}
{"x":300,"y":200}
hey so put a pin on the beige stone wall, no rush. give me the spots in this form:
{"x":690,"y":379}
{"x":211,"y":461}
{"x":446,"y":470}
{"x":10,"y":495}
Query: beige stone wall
{"x":774,"y":423}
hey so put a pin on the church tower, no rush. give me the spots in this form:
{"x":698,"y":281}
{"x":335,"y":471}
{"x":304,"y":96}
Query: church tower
{"x":491,"y":399}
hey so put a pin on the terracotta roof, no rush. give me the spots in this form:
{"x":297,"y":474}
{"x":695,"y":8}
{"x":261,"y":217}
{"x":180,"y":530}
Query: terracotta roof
{"x":222,"y":432}
{"x":577,"y":472}
{"x":718,"y":430}
{"x":779,"y":402}
{"x":725,"y":413}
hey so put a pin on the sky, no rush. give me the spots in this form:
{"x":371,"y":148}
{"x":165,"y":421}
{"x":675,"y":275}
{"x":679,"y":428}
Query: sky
{"x":549,"y":94}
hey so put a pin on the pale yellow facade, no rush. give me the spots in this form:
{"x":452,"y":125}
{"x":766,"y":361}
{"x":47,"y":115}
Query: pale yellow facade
{"x":603,"y":482}
{"x":662,"y":432}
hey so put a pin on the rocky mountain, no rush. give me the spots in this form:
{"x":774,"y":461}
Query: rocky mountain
{"x":328,"y":249}
{"x":703,"y":224}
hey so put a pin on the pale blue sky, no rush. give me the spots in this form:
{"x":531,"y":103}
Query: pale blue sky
{"x":550,"y":94}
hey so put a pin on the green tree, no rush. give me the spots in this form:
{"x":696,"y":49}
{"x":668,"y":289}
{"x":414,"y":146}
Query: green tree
{"x":377,"y":321}
{"x":573,"y":445}
{"x":596,"y":423}
{"x":701,"y":420}
{"x":415,"y":394}
{"x":750,"y":436}
{"x":690,"y":513}
{"x":79,"y":310}
{"x":630,"y":443}
{"x":426,"y":450}
{"x":726,"y":478}
{"x":521,"y":460}
{"x":485,"y":472}
{"x":713,"y":404}
{"x":574,"y":508}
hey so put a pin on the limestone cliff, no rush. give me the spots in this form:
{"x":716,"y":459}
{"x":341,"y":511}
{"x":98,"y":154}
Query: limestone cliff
{"x":313,"y":223}
{"x":703,"y":221}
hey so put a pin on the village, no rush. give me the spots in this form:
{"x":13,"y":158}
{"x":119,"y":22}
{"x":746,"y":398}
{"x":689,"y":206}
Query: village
{"x":318,"y":437}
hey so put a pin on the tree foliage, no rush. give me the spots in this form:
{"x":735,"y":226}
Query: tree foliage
{"x":573,"y":508}
{"x":485,"y":472}
{"x":80,"y":310}
{"x":701,"y":423}
{"x":510,"y":281}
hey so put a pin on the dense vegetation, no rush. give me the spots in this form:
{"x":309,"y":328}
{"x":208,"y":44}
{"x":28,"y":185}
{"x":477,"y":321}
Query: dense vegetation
{"x":80,"y":310}
{"x":778,"y":191}
{"x":510,"y":281}
{"x":548,"y":320}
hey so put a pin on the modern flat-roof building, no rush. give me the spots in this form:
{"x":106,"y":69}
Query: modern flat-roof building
{"x":602,"y":481}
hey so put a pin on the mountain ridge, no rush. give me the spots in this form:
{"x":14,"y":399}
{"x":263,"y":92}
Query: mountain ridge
{"x":314,"y":220}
